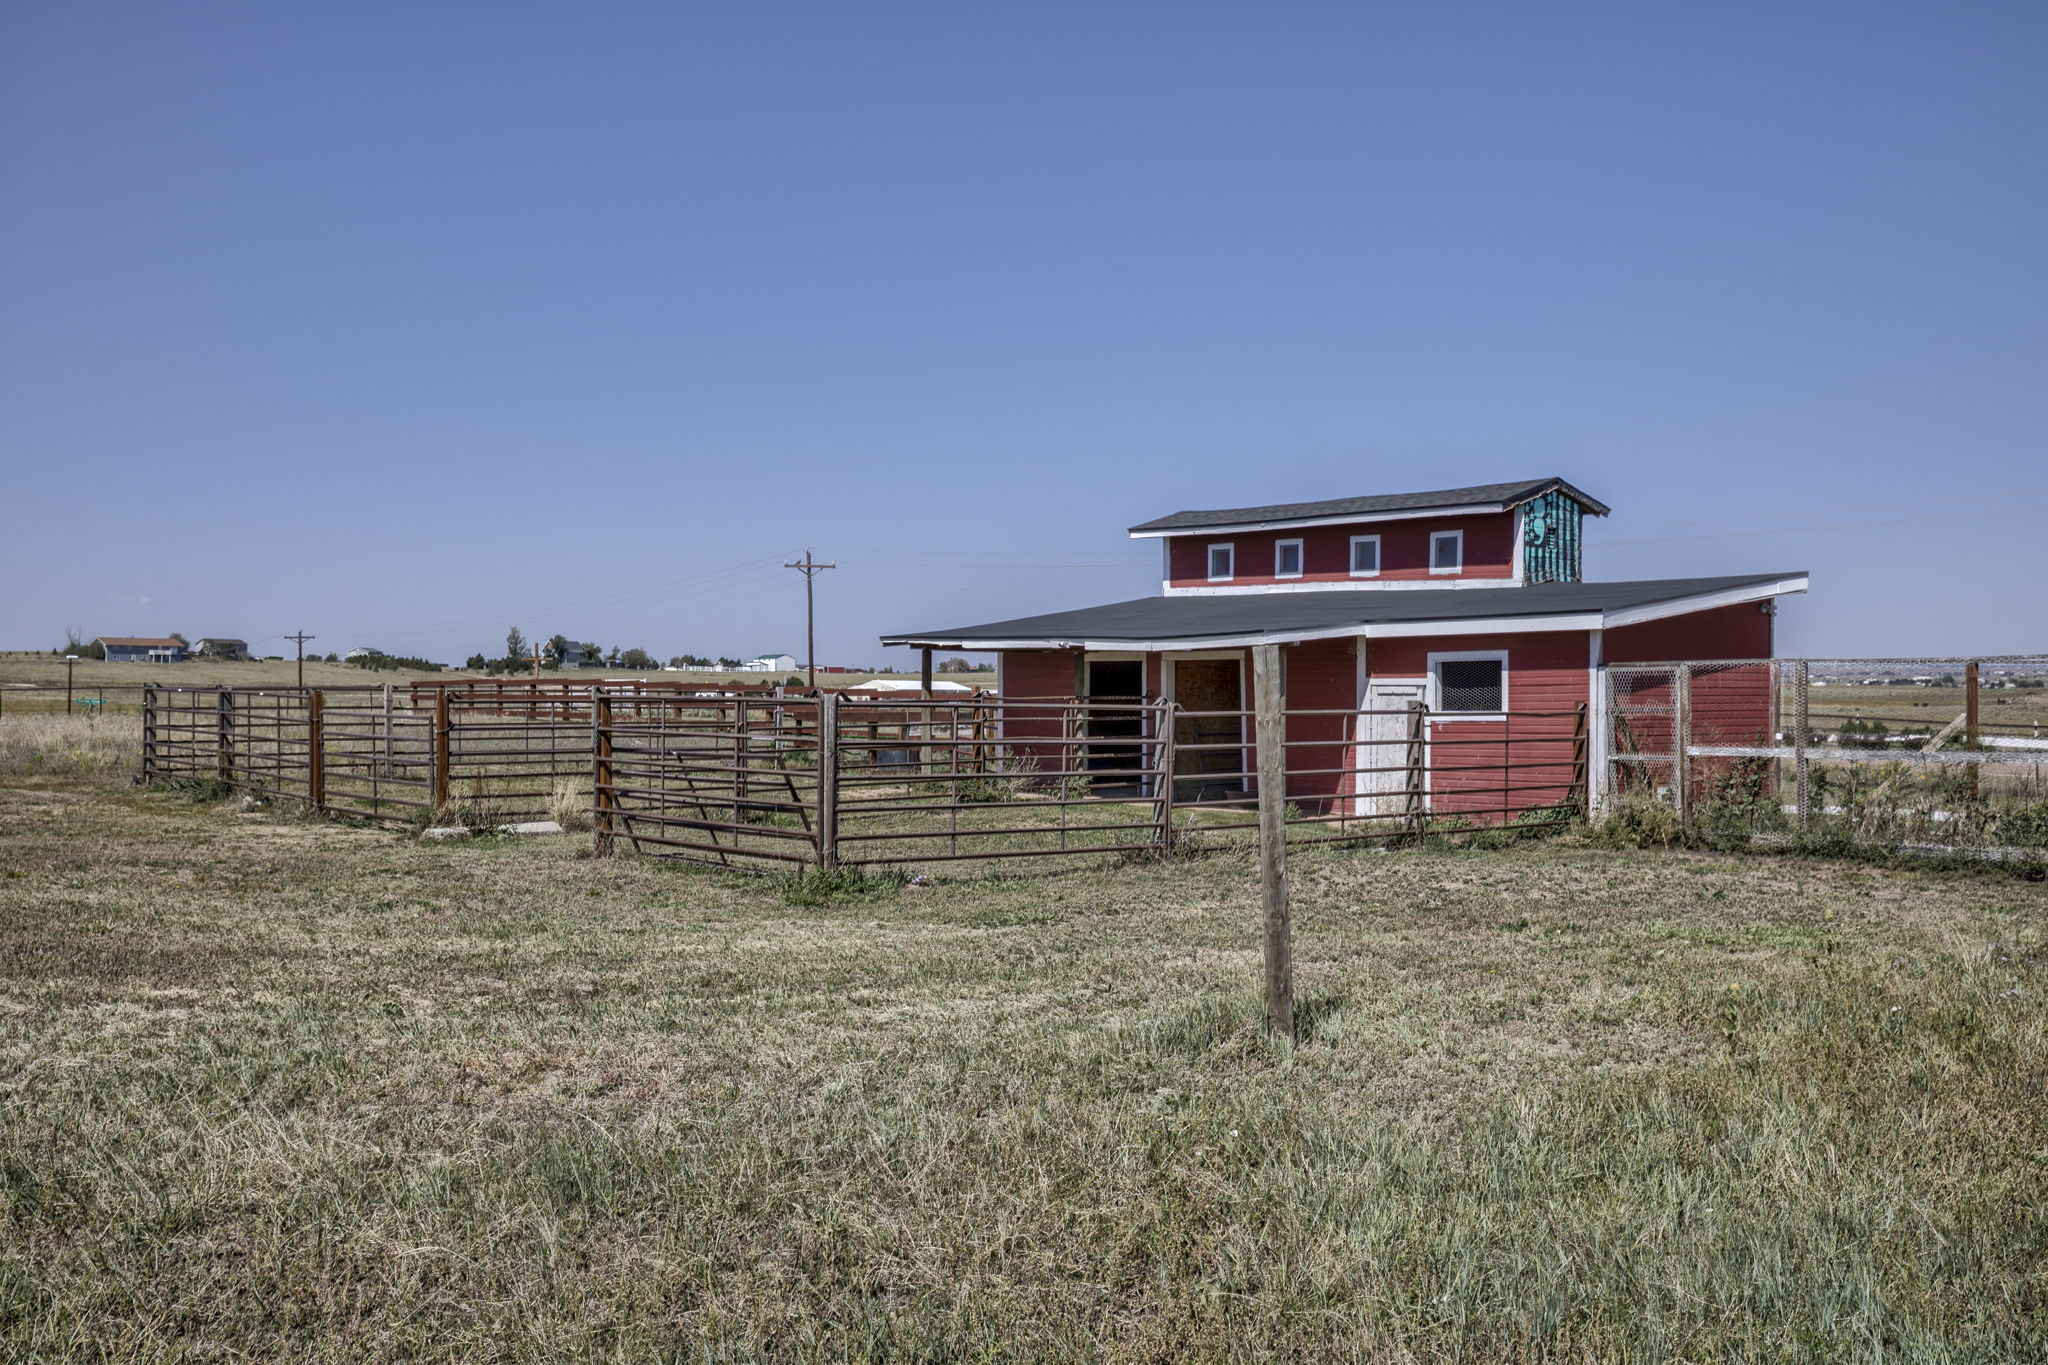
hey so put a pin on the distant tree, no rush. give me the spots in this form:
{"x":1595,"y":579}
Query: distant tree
{"x":724,"y":662}
{"x":557,"y":649}
{"x":84,"y":649}
{"x":515,"y":644}
{"x":476,"y":663}
{"x":179,"y":638}
{"x":955,"y":666}
{"x":638,"y":658}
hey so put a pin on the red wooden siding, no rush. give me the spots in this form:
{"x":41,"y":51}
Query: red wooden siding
{"x":1548,"y":672}
{"x":1322,"y":675}
{"x":1326,"y":551}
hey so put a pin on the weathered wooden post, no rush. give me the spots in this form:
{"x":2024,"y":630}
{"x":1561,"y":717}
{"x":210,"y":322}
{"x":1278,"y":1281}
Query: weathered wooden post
{"x":316,"y":756}
{"x":1268,"y":681}
{"x":1164,"y":725}
{"x":601,"y":772}
{"x":1415,"y":779}
{"x":1581,"y":788}
{"x":828,"y":780}
{"x":439,"y":790}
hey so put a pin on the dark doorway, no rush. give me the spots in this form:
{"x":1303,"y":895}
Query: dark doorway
{"x":1115,"y":737}
{"x":1202,"y":774}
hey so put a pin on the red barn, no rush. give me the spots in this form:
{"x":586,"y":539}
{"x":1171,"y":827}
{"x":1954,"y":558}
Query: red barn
{"x":1468,"y":600}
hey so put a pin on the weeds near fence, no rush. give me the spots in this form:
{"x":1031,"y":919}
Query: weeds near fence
{"x":83,"y":745}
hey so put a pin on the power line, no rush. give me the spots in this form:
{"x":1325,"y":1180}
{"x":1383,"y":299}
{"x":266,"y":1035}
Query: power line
{"x":810,"y":569}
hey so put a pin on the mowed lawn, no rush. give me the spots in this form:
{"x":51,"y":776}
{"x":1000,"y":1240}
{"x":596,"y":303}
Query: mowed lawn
{"x":282,"y":1090}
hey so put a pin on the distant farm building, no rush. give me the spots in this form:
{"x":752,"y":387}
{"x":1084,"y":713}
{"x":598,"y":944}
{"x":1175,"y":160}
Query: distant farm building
{"x":138,"y":649}
{"x":214,"y":647}
{"x":769,"y":663}
{"x":362,"y":652}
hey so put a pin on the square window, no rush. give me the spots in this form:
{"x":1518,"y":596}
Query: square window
{"x":1365,"y":556}
{"x":1287,"y":559}
{"x":1222,"y":563}
{"x":1446,"y":551}
{"x":1471,"y":685}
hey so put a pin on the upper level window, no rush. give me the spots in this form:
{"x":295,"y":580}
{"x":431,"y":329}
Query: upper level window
{"x":1286,"y":559}
{"x":1470,"y":683}
{"x":1222,"y":563}
{"x":1365,"y":556}
{"x":1446,"y":551}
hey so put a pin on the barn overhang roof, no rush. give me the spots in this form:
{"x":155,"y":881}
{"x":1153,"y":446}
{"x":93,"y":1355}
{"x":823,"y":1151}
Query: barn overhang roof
{"x":1479,"y":498}
{"x":1156,"y":623}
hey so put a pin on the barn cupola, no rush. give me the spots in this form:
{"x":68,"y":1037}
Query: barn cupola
{"x":1497,"y":535}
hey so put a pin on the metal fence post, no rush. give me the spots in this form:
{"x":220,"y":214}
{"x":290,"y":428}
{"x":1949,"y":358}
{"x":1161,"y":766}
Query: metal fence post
{"x":1267,"y":682}
{"x":828,"y":780}
{"x":224,"y":735}
{"x":1681,"y":740}
{"x":1801,"y":737}
{"x":601,"y":772}
{"x":1164,"y":725}
{"x":1417,"y":761}
{"x":316,"y":756}
{"x":148,"y":733}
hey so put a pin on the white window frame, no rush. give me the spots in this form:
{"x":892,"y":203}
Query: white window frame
{"x":1229,"y":549}
{"x":1300,"y":557}
{"x":1374,"y":571}
{"x":1436,"y":683}
{"x":1455,"y":537}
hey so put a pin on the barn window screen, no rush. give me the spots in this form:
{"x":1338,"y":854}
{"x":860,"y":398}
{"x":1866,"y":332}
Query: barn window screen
{"x":1365,"y":555}
{"x":1222,"y":563}
{"x":1446,"y":551}
{"x":1471,"y":685}
{"x":1287,"y":559}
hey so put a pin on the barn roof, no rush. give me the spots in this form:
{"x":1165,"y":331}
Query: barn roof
{"x":1198,"y":621}
{"x":1485,"y":497}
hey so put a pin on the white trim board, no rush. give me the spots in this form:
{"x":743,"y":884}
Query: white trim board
{"x":1361,"y":584}
{"x":1286,"y":523}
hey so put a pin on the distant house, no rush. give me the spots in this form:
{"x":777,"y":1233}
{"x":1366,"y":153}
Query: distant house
{"x":769,"y":663}
{"x":212,"y":648}
{"x":574,"y":655}
{"x":362,"y":652}
{"x":137,"y":649}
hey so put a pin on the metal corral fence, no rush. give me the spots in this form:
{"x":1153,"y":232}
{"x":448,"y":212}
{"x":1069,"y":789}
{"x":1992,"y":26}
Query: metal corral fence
{"x":836,"y":781}
{"x":1916,"y":754}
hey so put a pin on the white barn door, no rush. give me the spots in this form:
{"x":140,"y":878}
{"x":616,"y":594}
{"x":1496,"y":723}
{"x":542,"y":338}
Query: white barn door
{"x":1383,"y":743}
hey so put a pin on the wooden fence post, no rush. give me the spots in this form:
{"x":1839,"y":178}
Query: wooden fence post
{"x":1971,"y":722}
{"x":439,"y":791}
{"x":1268,"y":682}
{"x":1581,"y":788}
{"x":224,"y":735}
{"x":316,"y":756}
{"x":828,"y":779}
{"x":1681,"y":740}
{"x":601,"y":772}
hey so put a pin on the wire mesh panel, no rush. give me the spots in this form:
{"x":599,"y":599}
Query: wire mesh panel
{"x":1906,"y":753}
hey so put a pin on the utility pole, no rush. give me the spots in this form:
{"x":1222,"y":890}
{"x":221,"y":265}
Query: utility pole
{"x":810,"y":570}
{"x":300,"y":640}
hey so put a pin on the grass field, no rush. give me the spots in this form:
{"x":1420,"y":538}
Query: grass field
{"x":278,"y":1089}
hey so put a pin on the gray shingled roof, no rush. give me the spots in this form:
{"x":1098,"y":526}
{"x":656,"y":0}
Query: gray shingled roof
{"x":1340,"y":611}
{"x":1501,"y":495}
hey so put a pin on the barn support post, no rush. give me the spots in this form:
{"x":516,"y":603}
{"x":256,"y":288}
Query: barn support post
{"x":601,"y":773}
{"x":1268,"y":681}
{"x":1802,"y":776}
{"x":1581,"y":790}
{"x":316,"y":749}
{"x":439,"y":776}
{"x":828,"y":780}
{"x":1681,"y":740}
{"x":925,"y":670}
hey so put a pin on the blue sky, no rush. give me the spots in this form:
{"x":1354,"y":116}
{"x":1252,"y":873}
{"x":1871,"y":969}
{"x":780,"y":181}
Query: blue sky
{"x":403,"y":323}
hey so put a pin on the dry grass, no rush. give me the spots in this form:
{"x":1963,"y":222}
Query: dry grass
{"x":78,"y":745}
{"x":286,"y":1090}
